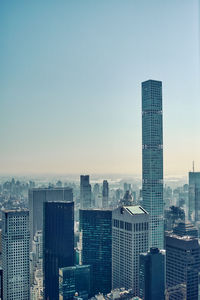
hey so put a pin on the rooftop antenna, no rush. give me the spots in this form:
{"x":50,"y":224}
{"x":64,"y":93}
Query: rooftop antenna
{"x":193,"y":166}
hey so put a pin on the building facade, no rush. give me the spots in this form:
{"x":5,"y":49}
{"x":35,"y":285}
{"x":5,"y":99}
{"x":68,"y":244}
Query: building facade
{"x":152,"y":159}
{"x":130,"y":237}
{"x":36,"y":267}
{"x":194,"y":196}
{"x":105,"y":194}
{"x":37,"y":196}
{"x":96,"y":245}
{"x":75,"y":279}
{"x":85,"y":192}
{"x":127,"y":200}
{"x":15,"y":251}
{"x":152,"y":263}
{"x":1,"y":283}
{"x":58,"y":244}
{"x":97,"y":198}
{"x":182,"y":267}
{"x":185,"y":228}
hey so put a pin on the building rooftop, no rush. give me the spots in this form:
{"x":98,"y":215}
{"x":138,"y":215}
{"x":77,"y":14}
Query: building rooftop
{"x":97,"y":209}
{"x":118,"y":293}
{"x":151,"y":81}
{"x":38,"y":189}
{"x":185,"y":229}
{"x":135,"y":210}
{"x":19,"y":210}
{"x":153,"y":251}
{"x":183,"y":238}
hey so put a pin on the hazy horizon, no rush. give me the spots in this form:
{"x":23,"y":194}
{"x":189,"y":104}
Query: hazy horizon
{"x":70,"y":84}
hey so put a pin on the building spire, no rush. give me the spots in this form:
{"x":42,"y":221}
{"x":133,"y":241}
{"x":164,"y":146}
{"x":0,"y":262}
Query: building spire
{"x":193,"y":166}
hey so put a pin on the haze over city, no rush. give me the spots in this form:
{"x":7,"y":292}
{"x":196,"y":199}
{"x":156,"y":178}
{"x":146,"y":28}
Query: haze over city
{"x":70,"y":84}
{"x":99,"y":157}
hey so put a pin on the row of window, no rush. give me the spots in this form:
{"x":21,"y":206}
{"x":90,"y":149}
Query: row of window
{"x":128,"y":226}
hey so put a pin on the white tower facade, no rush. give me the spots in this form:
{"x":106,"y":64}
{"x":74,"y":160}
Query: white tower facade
{"x":15,"y":252}
{"x":130,"y":237}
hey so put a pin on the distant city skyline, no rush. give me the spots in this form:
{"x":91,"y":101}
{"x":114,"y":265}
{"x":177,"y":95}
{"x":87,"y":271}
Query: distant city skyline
{"x":70,"y":84}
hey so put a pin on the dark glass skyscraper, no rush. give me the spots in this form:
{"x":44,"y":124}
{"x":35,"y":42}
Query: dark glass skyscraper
{"x":152,"y":263}
{"x":58,"y":247}
{"x":96,"y":237}
{"x":152,"y":159}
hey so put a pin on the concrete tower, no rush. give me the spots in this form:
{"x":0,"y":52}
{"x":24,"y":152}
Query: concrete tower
{"x":152,"y":159}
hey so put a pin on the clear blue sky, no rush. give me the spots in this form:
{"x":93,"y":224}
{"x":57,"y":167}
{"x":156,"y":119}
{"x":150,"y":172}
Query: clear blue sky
{"x":70,"y":75}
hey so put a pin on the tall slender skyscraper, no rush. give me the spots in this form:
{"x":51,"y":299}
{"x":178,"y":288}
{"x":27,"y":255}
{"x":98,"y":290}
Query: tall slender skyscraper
{"x":152,"y":159}
{"x":194,"y":196}
{"x":58,"y":244}
{"x":105,"y":194}
{"x":15,"y":244}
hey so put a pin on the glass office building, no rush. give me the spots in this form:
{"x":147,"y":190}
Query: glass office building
{"x":96,"y":243}
{"x":58,"y":244}
{"x":152,"y":159}
{"x":75,"y":279}
{"x":152,"y":263}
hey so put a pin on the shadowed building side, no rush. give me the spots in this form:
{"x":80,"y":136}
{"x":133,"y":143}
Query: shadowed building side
{"x":96,"y":243}
{"x":37,"y":196}
{"x":58,"y":244}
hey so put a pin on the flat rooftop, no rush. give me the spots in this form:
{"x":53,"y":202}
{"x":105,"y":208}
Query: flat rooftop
{"x":135,"y":210}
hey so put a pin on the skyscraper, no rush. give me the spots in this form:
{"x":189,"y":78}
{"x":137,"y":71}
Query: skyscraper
{"x":182,"y":266}
{"x":152,"y":159}
{"x":58,"y":244}
{"x":130,"y":236}
{"x":172,"y":215}
{"x":97,"y":199}
{"x":105,"y":194}
{"x":85,"y":192}
{"x":152,"y":263}
{"x":127,"y":200}
{"x":194,"y":196}
{"x":37,"y":196}
{"x":96,"y":243}
{"x":15,"y":244}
